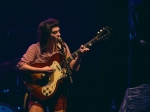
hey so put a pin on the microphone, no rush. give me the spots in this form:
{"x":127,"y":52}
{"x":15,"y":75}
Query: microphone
{"x":144,"y":42}
{"x":59,"y":39}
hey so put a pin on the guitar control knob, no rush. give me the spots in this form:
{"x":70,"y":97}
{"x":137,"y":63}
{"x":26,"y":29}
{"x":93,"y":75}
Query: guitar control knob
{"x":42,"y":75}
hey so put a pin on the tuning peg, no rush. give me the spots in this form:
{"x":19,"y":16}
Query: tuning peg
{"x":100,"y":30}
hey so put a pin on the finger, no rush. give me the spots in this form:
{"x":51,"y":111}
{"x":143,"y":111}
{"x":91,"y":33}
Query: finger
{"x":82,"y":45}
{"x":87,"y":49}
{"x":82,"y":50}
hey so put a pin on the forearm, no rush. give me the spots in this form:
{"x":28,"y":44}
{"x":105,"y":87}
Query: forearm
{"x":27,"y":67}
{"x":75,"y":64}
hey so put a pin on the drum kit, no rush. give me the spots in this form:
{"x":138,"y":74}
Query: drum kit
{"x":11,"y":88}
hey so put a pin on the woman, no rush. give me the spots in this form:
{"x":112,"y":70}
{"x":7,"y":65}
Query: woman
{"x":49,"y":44}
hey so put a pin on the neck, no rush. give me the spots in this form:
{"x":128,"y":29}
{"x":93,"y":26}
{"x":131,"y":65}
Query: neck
{"x":51,"y":47}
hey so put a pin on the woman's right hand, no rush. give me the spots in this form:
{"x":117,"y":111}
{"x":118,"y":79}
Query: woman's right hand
{"x":48,"y":69}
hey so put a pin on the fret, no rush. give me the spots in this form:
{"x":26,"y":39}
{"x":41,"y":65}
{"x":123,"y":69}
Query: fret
{"x":69,"y":59}
{"x":75,"y":54}
{"x":90,"y":44}
{"x":94,"y":40}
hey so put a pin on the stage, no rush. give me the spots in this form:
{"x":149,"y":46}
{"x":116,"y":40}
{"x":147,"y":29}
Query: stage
{"x":110,"y":67}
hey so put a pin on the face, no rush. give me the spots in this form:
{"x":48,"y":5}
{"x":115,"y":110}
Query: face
{"x":55,"y":33}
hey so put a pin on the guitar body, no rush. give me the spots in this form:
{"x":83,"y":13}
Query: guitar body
{"x":44,"y":85}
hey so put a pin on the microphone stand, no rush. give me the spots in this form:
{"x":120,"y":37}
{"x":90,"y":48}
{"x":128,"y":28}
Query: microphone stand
{"x":66,"y":65}
{"x":67,"y":70}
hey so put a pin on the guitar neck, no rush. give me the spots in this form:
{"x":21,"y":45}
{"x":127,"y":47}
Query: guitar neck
{"x":101,"y":35}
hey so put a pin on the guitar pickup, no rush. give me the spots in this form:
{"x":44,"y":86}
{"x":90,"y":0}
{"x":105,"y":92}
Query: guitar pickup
{"x":58,"y":67}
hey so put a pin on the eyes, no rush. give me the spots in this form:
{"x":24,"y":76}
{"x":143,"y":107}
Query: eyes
{"x":55,"y":32}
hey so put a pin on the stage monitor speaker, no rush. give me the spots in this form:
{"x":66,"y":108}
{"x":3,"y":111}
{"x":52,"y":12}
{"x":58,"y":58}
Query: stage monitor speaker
{"x":136,"y":99}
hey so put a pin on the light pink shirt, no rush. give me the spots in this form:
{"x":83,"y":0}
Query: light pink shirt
{"x":33,"y":55}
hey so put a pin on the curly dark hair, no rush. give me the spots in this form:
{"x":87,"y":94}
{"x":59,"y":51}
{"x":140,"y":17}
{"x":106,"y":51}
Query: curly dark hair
{"x":44,"y":30}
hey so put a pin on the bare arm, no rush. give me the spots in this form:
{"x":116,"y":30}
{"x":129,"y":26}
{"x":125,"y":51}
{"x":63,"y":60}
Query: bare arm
{"x":75,"y":64}
{"x":28,"y":58}
{"x":27,"y":67}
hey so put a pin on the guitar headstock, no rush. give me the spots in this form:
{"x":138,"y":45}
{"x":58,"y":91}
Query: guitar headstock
{"x":104,"y":33}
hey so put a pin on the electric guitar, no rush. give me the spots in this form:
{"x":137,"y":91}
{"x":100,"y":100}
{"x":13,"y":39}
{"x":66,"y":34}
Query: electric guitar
{"x":43,"y":86}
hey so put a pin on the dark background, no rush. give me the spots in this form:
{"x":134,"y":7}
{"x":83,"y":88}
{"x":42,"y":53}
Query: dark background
{"x":104,"y":70}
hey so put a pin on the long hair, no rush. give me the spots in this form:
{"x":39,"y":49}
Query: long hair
{"x":44,"y":30}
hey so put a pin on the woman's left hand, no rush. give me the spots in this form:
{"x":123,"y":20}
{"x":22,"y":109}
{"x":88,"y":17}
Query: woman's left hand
{"x":83,"y":50}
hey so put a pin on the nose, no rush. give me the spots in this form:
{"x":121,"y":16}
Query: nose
{"x":58,"y":34}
